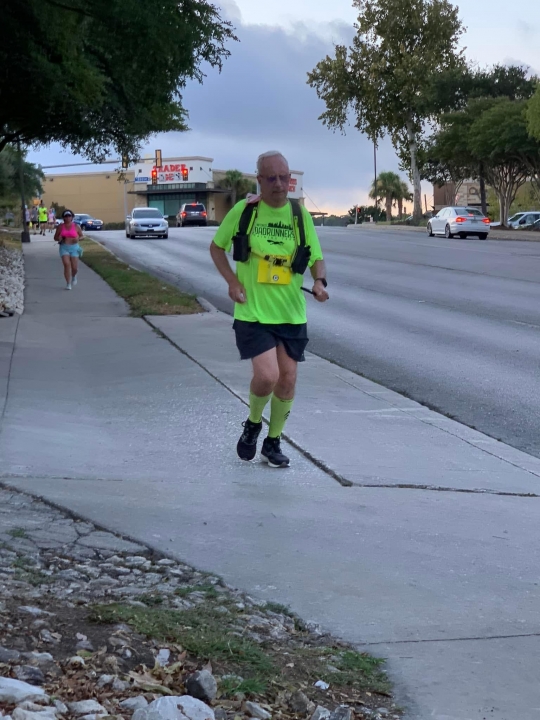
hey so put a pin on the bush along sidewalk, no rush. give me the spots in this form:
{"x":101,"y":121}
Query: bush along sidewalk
{"x":145,"y":294}
{"x":93,"y":625}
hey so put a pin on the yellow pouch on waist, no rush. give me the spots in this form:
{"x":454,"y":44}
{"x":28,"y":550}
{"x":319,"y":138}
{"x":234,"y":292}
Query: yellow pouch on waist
{"x":272,"y":272}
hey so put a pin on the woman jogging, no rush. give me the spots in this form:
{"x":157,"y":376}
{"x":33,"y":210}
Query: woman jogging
{"x":51,"y":219}
{"x":68,"y":235}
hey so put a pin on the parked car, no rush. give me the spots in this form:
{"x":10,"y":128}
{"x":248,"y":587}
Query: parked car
{"x":524,"y":221}
{"x":462,"y":221}
{"x":87,"y":222}
{"x":521,"y":220}
{"x":146,"y":221}
{"x":191,"y":214}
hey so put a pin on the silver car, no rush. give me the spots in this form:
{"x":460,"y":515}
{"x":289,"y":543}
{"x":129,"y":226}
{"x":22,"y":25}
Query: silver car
{"x":523,"y":220}
{"x":462,"y":221}
{"x":145,"y":221}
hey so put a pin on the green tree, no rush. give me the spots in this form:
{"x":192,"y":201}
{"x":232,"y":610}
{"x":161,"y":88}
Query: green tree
{"x":454,"y":89}
{"x":499,"y":138}
{"x":388,"y":188}
{"x":237,"y":184}
{"x":533,"y":114}
{"x":403,"y":194}
{"x":100,"y":74}
{"x":400,"y":46}
{"x":445,"y":159}
{"x":10,"y":190}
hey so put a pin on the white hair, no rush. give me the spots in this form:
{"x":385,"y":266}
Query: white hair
{"x":269,"y":154}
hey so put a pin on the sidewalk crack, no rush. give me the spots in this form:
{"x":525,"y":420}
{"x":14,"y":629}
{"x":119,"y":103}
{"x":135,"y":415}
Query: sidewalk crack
{"x":344,"y":482}
{"x":8,"y":379}
{"x":439,"y":488}
{"x":453,"y":639}
{"x":407,"y":411}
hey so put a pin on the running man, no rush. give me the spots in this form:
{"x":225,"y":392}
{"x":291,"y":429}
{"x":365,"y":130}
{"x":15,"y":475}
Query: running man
{"x":34,"y":218}
{"x":43,"y":217}
{"x":270,"y":308}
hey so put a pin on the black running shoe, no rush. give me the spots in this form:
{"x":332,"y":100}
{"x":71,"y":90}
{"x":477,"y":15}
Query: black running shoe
{"x":271,"y":453}
{"x":247,"y":445}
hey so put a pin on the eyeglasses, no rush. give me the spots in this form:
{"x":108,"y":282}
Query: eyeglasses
{"x":272,"y":179}
{"x":67,"y":215}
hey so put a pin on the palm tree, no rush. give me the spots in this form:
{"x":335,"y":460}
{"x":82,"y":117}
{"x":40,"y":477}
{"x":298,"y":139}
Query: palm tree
{"x":389,"y":188}
{"x":237,"y":184}
{"x":403,"y":194}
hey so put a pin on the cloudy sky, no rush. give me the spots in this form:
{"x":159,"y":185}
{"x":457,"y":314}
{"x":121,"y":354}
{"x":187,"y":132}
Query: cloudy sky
{"x":261,"y":101}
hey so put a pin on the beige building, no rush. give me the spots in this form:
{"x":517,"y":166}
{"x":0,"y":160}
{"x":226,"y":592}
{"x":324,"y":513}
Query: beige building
{"x":110,"y":195}
{"x":466,"y":194}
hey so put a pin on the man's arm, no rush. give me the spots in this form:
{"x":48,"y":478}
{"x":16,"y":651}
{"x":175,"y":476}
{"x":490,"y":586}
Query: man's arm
{"x":318,"y":271}
{"x":237,"y":292}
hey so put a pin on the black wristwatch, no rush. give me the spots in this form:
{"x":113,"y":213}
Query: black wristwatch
{"x":323,"y":280}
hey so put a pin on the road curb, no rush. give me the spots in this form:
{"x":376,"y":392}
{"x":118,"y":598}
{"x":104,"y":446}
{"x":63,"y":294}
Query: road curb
{"x":204,"y":303}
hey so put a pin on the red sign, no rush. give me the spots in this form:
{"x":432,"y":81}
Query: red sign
{"x":292,"y":184}
{"x":170,"y":168}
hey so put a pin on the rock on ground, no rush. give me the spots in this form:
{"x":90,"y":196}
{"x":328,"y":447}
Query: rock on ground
{"x":87,"y":707}
{"x":202,"y":685}
{"x":175,"y":708}
{"x":16,"y":691}
{"x":256,"y":711}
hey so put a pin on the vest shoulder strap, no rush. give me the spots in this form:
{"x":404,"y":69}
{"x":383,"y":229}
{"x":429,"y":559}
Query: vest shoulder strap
{"x":246,"y":218}
{"x":297,"y":213}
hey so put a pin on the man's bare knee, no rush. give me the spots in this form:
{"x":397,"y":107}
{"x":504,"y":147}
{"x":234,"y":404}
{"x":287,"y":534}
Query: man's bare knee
{"x":264,"y":381}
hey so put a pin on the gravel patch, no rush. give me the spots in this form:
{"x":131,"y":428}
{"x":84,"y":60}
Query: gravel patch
{"x":11,"y":280}
{"x":93,"y":625}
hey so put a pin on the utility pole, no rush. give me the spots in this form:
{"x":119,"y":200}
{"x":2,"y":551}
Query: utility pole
{"x":376,"y":214}
{"x":25,"y":235}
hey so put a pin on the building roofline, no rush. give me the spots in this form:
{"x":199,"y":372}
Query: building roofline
{"x":147,"y":161}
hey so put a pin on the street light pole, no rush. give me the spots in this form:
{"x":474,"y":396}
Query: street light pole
{"x":25,"y":235}
{"x":376,"y":214}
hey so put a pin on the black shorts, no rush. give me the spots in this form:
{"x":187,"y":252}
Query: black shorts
{"x":254,"y":338}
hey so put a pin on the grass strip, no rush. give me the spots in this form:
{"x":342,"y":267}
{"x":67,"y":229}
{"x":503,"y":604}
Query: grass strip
{"x":11,"y":241}
{"x":200,"y":631}
{"x":144,"y":293}
{"x":207,"y":634}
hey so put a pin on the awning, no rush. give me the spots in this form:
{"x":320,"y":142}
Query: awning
{"x":156,"y":190}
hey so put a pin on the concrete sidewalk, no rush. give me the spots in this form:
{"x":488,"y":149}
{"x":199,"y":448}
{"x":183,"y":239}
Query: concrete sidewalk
{"x":107,"y":418}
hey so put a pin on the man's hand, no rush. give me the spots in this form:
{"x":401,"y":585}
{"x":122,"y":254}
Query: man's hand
{"x":319,"y":292}
{"x":237,"y":292}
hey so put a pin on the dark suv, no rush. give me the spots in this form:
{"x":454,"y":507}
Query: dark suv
{"x":191,"y":214}
{"x":87,"y":222}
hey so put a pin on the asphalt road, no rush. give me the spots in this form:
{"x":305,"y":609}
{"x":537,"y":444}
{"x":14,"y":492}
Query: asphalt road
{"x":453,"y":324}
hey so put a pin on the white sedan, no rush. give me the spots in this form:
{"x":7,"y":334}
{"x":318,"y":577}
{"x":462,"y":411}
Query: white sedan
{"x":146,"y":221}
{"x":462,"y":221}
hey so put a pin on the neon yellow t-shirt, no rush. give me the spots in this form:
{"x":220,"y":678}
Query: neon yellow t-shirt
{"x":42,"y":211}
{"x":272,"y":234}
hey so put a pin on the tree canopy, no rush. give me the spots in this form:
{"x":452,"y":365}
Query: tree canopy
{"x":489,"y":137}
{"x":533,"y":114}
{"x":100,"y":74}
{"x":400,"y":46}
